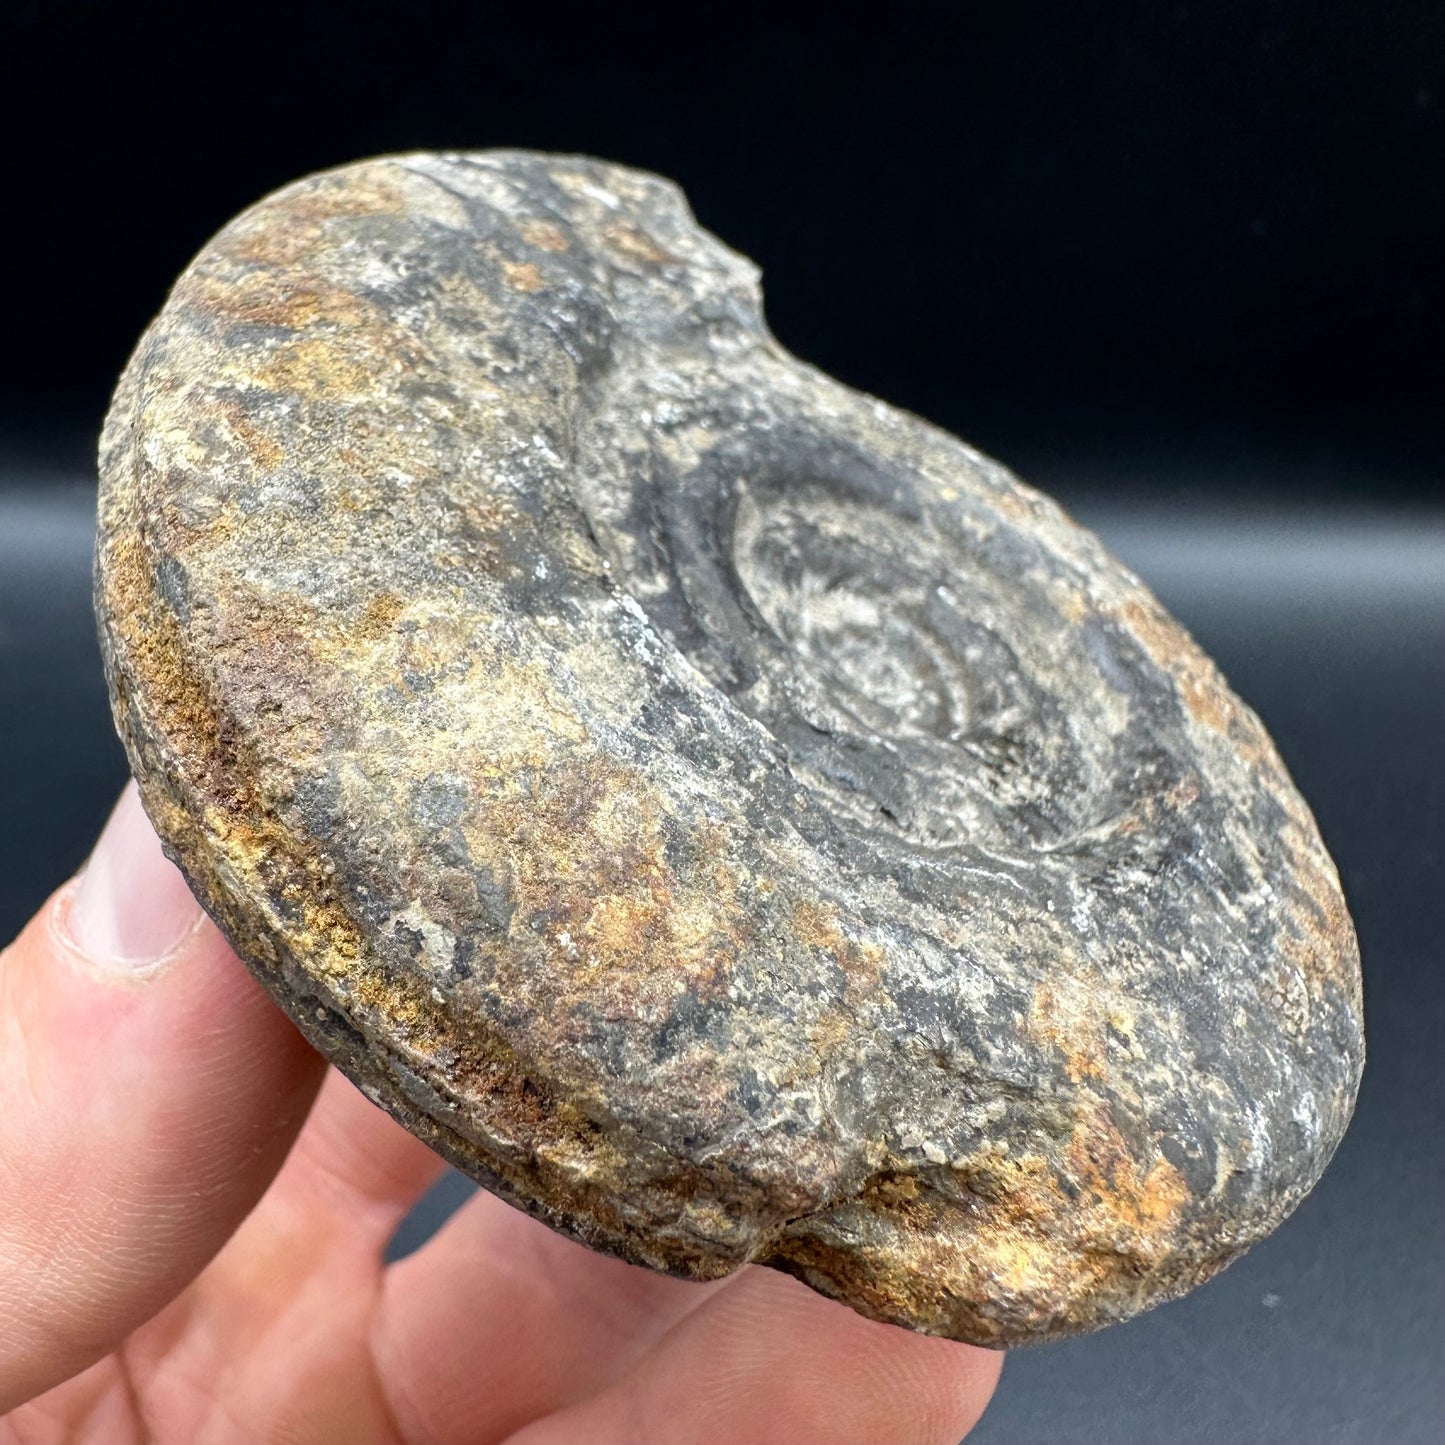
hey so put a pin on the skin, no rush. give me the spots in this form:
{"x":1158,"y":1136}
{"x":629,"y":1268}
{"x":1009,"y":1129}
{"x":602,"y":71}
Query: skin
{"x":193,"y":1216}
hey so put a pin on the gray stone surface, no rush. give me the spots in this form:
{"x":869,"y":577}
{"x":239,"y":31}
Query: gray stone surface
{"x":726,"y":816}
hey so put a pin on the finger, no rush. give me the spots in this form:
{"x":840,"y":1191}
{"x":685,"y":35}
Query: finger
{"x":498,"y":1320}
{"x":352,"y":1178}
{"x":277,"y":1324}
{"x":149,"y":1091}
{"x":769,"y":1360}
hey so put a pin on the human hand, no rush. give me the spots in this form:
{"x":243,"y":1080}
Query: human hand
{"x":194,"y":1211}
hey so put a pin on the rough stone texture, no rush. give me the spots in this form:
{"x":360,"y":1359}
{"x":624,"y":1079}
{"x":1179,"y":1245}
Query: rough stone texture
{"x":728,"y":817}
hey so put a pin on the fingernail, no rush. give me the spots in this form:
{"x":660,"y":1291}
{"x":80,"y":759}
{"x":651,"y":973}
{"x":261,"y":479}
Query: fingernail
{"x":132,"y":906}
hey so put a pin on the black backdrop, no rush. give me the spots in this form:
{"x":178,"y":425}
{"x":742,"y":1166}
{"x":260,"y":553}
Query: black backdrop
{"x":1177,"y":262}
{"x":1062,"y":227}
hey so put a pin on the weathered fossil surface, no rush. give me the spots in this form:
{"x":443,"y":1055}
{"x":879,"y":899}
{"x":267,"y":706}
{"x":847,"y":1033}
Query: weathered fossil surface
{"x":726,"y":816}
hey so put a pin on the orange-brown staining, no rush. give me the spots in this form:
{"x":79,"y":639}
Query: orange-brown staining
{"x":1257,"y":748}
{"x":272,"y":297}
{"x":523,"y":275}
{"x":157,"y":664}
{"x":1018,"y":503}
{"x":1184,"y":794}
{"x":315,"y":368}
{"x":252,"y":297}
{"x":1208,"y":701}
{"x":550,"y":1138}
{"x":544,"y":1150}
{"x":815,"y":925}
{"x":331,"y":346}
{"x":586,"y":853}
{"x":255,"y":447}
{"x":264,"y":451}
{"x":1061,"y":1017}
{"x":1201,"y":688}
{"x":1068,"y":1241}
{"x":227,"y":832}
{"x":1064,"y":1256}
{"x":1318,"y":937}
{"x":1010,"y":1241}
{"x":330,"y":938}
{"x":259,"y":241}
{"x":894,"y":1191}
{"x":1122,"y":1202}
{"x":903,"y":1252}
{"x":379,"y":615}
{"x":298,"y":308}
{"x":374,"y":190}
{"x":288,"y":225}
{"x":287,"y":637}
{"x":887,"y":1282}
{"x":544,"y":235}
{"x":633,"y":243}
{"x":831,"y":1033}
{"x":1161,"y":1197}
{"x":834,"y":1031}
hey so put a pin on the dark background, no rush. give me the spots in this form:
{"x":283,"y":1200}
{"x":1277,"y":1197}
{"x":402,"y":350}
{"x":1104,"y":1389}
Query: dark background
{"x":1078,"y":228}
{"x":1177,"y":263}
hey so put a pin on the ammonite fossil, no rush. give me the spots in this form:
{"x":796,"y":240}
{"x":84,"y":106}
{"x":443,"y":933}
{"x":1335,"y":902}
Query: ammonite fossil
{"x":726,"y":816}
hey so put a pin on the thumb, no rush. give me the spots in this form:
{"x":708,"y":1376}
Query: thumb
{"x":149,"y":1091}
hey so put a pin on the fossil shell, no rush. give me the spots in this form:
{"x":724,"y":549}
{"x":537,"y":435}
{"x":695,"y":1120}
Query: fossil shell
{"x":728,"y":817}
